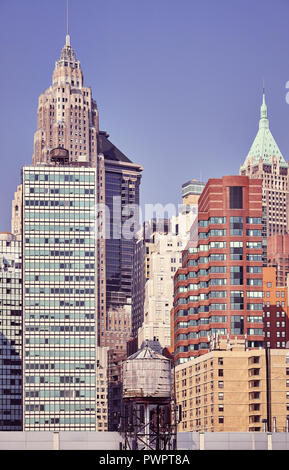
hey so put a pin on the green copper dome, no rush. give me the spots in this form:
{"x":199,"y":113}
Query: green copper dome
{"x":264,"y":145}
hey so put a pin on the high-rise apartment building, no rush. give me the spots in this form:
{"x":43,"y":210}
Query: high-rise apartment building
{"x":218,"y":289}
{"x":59,"y":286}
{"x":265,"y":161}
{"x":10,"y":333}
{"x":234,"y":389}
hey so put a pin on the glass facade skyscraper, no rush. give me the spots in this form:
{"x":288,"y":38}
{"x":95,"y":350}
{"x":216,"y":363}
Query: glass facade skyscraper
{"x":121,"y":196}
{"x":10,"y":336}
{"x":59,"y":279}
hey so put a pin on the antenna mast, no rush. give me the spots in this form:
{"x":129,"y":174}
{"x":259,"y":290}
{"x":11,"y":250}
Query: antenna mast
{"x":67,"y":26}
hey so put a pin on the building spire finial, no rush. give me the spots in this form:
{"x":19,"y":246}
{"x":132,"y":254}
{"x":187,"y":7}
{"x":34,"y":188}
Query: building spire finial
{"x":264,"y":122}
{"x":264,"y":103}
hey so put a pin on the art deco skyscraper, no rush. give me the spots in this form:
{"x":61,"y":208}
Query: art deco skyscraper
{"x":265,"y":161}
{"x":67,"y":115}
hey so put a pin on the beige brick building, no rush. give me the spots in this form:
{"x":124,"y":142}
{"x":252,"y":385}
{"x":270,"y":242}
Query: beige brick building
{"x":232,"y":389}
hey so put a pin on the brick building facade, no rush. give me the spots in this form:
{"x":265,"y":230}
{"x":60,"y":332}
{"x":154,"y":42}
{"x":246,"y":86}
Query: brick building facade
{"x":218,"y":290}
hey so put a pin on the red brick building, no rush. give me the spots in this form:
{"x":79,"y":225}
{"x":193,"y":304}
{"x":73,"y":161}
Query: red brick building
{"x":218,"y":290}
{"x":278,"y":256}
{"x":275,"y":311}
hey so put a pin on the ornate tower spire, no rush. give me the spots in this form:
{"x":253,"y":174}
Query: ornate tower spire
{"x":265,"y":161}
{"x":67,"y":67}
{"x":264,"y":146}
{"x":264,"y":121}
{"x":67,"y":113}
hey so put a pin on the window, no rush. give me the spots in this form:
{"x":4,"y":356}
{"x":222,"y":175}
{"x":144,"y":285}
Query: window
{"x":217,"y":294}
{"x":254,"y":294}
{"x":203,"y":223}
{"x":237,"y":300}
{"x":237,"y":325}
{"x":254,"y":372}
{"x":254,"y":306}
{"x":254,"y":269}
{"x":254,"y":220}
{"x":236,"y":226}
{"x":236,"y":197}
{"x":254,"y":282}
{"x":217,"y":220}
{"x":254,"y":233}
{"x":236,"y":250}
{"x":254,"y":383}
{"x":254,"y":245}
{"x":216,"y":257}
{"x":254,"y":258}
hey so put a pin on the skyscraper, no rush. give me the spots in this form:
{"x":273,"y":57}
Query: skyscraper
{"x":266,"y":162}
{"x":59,"y":282}
{"x":67,"y":115}
{"x":121,"y":196}
{"x":10,"y":333}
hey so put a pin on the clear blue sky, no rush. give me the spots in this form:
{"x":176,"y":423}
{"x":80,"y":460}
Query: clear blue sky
{"x":178,"y":83}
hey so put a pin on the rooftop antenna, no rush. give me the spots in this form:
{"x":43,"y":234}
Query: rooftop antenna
{"x":67,"y":26}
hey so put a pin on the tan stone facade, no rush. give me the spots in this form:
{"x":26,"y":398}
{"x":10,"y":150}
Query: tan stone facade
{"x":227,"y":389}
{"x":16,"y":220}
{"x":67,"y":115}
